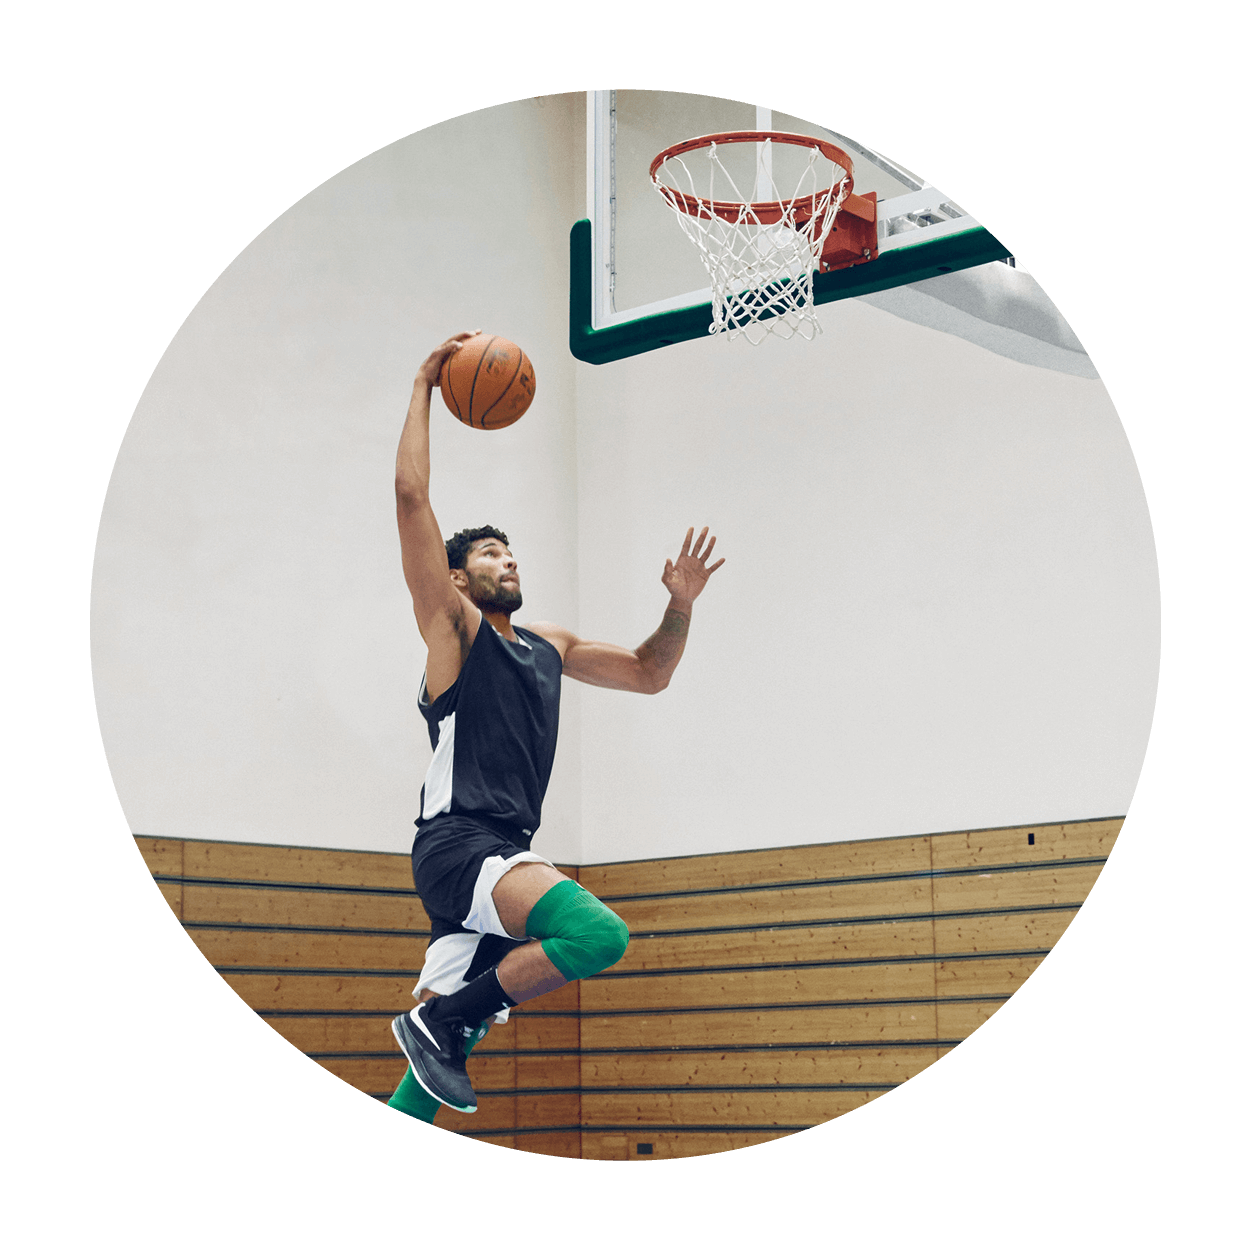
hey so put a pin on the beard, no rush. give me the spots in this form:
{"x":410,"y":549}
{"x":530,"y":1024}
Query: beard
{"x":492,"y":597}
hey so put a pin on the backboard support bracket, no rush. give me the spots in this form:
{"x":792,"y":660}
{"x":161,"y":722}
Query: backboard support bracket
{"x":853,"y":241}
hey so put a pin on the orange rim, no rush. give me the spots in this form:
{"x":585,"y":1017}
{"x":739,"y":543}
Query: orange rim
{"x":768,"y":212}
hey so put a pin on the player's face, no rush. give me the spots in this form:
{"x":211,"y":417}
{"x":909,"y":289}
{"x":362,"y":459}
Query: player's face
{"x":492,"y":572}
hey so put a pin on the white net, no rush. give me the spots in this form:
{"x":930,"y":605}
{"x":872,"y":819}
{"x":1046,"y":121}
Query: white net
{"x":761,"y":267}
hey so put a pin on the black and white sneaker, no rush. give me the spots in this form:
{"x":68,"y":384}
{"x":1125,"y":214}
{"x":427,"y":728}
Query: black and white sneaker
{"x":436,"y":1052}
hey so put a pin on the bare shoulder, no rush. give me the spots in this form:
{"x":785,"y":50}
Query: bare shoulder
{"x":560,"y":638}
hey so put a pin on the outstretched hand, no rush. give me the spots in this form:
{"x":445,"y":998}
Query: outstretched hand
{"x":686,"y":577}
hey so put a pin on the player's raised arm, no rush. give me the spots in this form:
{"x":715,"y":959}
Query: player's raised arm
{"x":648,"y":668}
{"x":440,"y":608}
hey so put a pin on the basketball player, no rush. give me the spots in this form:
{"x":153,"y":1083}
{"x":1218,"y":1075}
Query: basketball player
{"x":505,"y":924}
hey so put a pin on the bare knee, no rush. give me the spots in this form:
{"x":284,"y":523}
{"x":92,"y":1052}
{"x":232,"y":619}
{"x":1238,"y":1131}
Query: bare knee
{"x":519,"y":890}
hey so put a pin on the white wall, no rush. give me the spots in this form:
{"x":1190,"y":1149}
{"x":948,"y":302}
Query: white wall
{"x":255,"y":654}
{"x":937,"y":612}
{"x":938,"y":608}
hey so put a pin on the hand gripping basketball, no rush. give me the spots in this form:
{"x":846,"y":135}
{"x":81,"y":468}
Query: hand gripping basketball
{"x":487,"y":382}
{"x":432,"y":366}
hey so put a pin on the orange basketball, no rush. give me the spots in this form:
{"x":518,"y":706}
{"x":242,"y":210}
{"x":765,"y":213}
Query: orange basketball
{"x":489,"y":383}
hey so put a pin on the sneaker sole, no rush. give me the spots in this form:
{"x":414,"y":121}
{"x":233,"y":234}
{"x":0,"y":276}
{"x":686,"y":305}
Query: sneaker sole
{"x":423,"y":1079}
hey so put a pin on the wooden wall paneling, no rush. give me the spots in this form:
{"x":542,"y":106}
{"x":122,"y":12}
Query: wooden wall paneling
{"x":753,"y":868}
{"x":696,"y":940}
{"x":163,"y":856}
{"x":256,"y":862}
{"x":762,"y":991}
{"x":908,"y":1021}
{"x":669,"y":1144}
{"x":1014,"y":888}
{"x":761,"y":1081}
{"x":295,"y":931}
{"x":1066,"y":841}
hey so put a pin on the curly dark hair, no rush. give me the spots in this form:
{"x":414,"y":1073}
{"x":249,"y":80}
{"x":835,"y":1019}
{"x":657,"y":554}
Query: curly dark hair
{"x":459,"y":544}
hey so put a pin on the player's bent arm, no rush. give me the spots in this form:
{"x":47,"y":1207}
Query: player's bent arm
{"x":596,"y":664}
{"x":646,"y":670}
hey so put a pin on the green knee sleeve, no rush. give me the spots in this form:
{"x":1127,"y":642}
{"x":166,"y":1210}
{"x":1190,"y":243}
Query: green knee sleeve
{"x":409,"y":1097}
{"x":580,"y":935}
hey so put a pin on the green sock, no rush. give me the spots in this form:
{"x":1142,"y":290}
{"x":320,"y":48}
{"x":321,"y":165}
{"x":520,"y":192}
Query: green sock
{"x":412,"y":1100}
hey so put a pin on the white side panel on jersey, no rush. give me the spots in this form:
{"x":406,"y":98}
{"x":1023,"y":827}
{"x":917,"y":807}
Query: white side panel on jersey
{"x":439,"y":775}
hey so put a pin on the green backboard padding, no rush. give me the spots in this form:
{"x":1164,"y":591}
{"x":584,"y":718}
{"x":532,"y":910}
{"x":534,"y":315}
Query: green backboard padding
{"x":895,"y":268}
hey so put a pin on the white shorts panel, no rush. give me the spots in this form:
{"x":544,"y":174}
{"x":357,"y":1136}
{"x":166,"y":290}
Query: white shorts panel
{"x":482,"y":914}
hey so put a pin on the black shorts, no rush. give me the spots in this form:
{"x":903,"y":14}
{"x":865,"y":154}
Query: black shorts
{"x":457,"y":861}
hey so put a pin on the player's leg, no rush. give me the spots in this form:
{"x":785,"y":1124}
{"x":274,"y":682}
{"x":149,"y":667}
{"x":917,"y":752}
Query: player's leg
{"x":527,"y":972}
{"x":410,"y":1098}
{"x":465,"y":873}
{"x":436,"y":1051}
{"x":456,"y":862}
{"x":577,"y":935}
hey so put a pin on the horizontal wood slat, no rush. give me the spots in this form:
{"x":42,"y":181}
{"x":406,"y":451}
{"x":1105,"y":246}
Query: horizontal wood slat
{"x":752,"y":868}
{"x":1072,"y":840}
{"x":752,"y":1028}
{"x":1017,"y":931}
{"x":758,"y":986}
{"x":1023,"y":888}
{"x":959,"y":1019}
{"x":777,"y":907}
{"x":317,"y":909}
{"x":382,"y":1075}
{"x":261,"y":862}
{"x":558,"y":1142}
{"x":746,"y":999}
{"x":163,"y":856}
{"x":288,"y":992}
{"x":816,"y":1067}
{"x":670,"y":1144}
{"x":287,"y":949}
{"x":720,"y":1107}
{"x":995,"y":976}
{"x":773,"y":946}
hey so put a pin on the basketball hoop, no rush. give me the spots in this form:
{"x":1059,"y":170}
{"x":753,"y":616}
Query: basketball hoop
{"x":761,"y":254}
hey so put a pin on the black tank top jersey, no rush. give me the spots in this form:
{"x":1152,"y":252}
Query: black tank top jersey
{"x":494,"y":731}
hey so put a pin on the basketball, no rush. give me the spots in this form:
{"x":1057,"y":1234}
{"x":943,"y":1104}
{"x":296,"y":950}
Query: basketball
{"x":489,"y":383}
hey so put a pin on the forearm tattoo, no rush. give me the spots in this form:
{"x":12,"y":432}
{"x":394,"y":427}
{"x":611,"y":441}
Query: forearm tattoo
{"x":665,"y":646}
